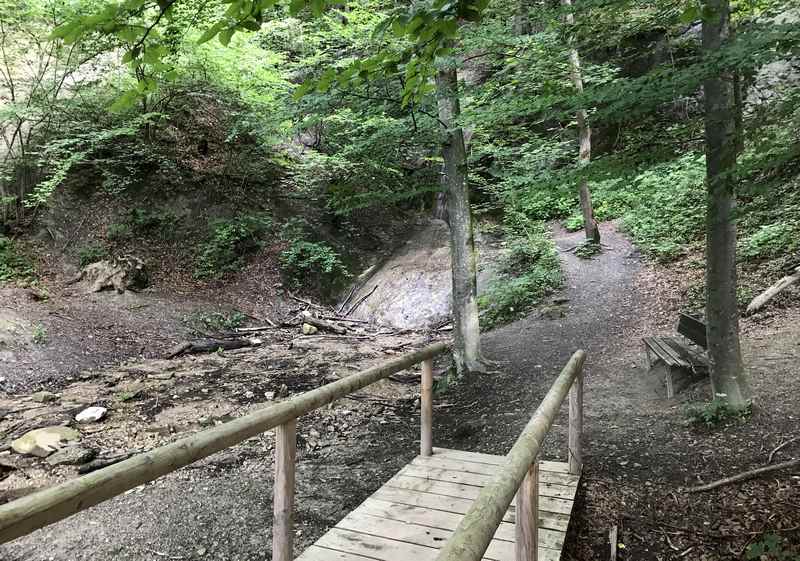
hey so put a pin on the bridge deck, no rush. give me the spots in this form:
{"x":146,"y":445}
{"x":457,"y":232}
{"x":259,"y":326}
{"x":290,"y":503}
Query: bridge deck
{"x":415,"y":512}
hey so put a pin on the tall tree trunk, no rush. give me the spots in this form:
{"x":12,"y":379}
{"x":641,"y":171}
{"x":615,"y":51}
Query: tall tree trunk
{"x":466,"y":331}
{"x":585,"y":137}
{"x":728,"y":376}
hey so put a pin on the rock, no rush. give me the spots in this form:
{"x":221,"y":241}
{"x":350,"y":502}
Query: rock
{"x":44,"y":397}
{"x":309,"y":329}
{"x":249,"y":395}
{"x":552,"y":312}
{"x":91,"y":414}
{"x":43,"y":442}
{"x":560,"y":300}
{"x":71,"y":456}
{"x":269,"y":395}
{"x":120,"y":273}
{"x":202,"y":551}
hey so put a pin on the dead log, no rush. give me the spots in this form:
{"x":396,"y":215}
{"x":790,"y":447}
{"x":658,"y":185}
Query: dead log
{"x":309,"y":318}
{"x":211,"y":346}
{"x":750,"y":474}
{"x":770,"y":293}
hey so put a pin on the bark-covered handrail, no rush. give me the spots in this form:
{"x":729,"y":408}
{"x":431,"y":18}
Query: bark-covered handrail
{"x":37,"y":510}
{"x":473,"y":534}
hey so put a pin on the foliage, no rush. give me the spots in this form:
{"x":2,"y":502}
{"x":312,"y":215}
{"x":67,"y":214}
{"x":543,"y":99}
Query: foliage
{"x":39,"y":335}
{"x":588,"y":249}
{"x":91,"y":254}
{"x":528,"y":270}
{"x":771,"y":240}
{"x":229,"y":242}
{"x":13,"y":265}
{"x":716,"y":412}
{"x":215,"y":321}
{"x":313,"y":265}
{"x":772,"y":547}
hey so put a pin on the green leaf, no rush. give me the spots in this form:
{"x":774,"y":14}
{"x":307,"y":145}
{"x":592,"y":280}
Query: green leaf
{"x":295,"y":6}
{"x":225,"y":36}
{"x":210,"y":33}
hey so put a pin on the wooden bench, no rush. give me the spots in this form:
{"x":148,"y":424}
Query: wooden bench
{"x":683,"y":358}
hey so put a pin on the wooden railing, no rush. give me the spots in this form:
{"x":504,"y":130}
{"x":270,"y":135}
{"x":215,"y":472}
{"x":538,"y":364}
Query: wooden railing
{"x":37,"y":510}
{"x":519,"y":476}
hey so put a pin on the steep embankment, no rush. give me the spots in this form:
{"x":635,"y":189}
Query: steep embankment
{"x":412,"y":288}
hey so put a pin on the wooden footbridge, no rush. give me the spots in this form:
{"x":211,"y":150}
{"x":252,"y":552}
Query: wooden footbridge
{"x":446,"y":505}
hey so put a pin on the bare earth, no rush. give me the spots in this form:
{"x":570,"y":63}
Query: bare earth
{"x":640,"y":451}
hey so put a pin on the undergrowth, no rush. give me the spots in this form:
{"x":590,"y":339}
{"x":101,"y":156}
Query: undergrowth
{"x":14,"y":266}
{"x":310,"y":264}
{"x":229,"y":243}
{"x":715,"y":413}
{"x":529,"y":269}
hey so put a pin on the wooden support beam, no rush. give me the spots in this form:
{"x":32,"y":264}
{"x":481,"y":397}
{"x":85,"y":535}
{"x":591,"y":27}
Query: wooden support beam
{"x":526,"y":517}
{"x":283,"y":500}
{"x":426,"y":409}
{"x":576,"y":426}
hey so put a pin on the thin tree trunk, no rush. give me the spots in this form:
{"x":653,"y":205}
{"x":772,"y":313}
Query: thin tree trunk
{"x":466,"y":331}
{"x":585,"y":137}
{"x":728,"y":376}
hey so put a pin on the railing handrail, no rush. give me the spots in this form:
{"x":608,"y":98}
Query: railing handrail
{"x":473,"y":534}
{"x":37,"y":510}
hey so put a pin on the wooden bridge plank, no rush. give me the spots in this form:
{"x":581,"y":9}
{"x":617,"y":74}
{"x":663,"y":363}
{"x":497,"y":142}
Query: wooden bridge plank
{"x":416,"y":511}
{"x":409,"y":532}
{"x":454,"y":490}
{"x":553,"y":539}
{"x":478,"y":457}
{"x":459,"y":464}
{"x":425,"y":516}
{"x":550,"y":484}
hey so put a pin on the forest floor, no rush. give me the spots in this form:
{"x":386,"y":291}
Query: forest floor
{"x":640,"y":451}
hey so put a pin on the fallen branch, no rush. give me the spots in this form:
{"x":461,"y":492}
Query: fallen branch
{"x":787,"y":281}
{"x":100,"y":463}
{"x":612,"y":540}
{"x":346,"y":301}
{"x":750,"y":474}
{"x":361,"y":301}
{"x":306,"y":302}
{"x":323,"y":324}
{"x":781,"y":447}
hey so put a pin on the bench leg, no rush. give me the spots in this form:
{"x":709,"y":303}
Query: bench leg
{"x":668,"y":380}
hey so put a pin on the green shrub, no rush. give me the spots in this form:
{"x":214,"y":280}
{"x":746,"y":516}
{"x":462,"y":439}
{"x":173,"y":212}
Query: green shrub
{"x":715,"y":413}
{"x":39,"y":336}
{"x":230,"y":242}
{"x":118,"y":231}
{"x":91,"y":254}
{"x":215,"y":321}
{"x":588,"y":249}
{"x":573,"y":222}
{"x":313,"y":265}
{"x":528,"y":270}
{"x":153,"y":223}
{"x":13,"y":265}
{"x":770,"y":240}
{"x":772,"y":547}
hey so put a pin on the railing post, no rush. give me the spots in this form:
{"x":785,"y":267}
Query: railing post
{"x":426,"y":409}
{"x":526,"y":517}
{"x":282,"y":524}
{"x":575,"y":451}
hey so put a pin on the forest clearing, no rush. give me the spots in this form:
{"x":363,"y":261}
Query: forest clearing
{"x":378,"y":281}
